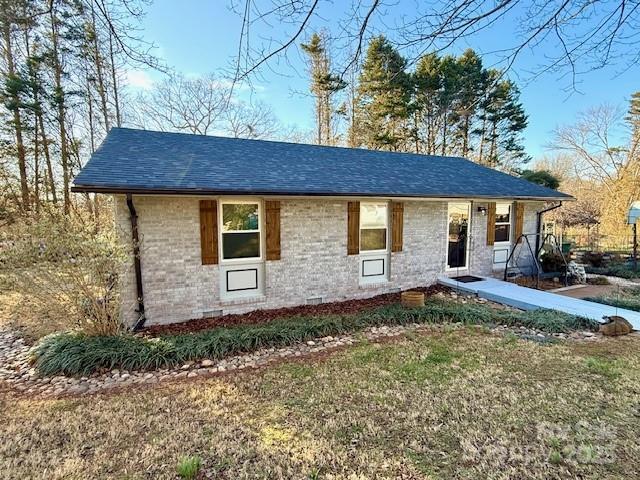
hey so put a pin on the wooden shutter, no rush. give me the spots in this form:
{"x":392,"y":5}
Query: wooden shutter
{"x":353,"y":228}
{"x":272,"y":222}
{"x":519,"y":208}
{"x":397,"y":225}
{"x":491,"y":223}
{"x":209,"y":231}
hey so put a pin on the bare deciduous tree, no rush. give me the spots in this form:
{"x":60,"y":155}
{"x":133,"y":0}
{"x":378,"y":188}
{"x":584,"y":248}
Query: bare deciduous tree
{"x":203,"y":106}
{"x":590,"y":141}
{"x":581,"y":35}
{"x":604,"y":154}
{"x":242,"y":120}
{"x":180,"y":103}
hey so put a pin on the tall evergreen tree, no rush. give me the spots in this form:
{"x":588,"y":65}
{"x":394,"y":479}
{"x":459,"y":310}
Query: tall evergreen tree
{"x":12,"y":16}
{"x":384,"y":98}
{"x":428,"y":82}
{"x":470,"y":85}
{"x":324,"y":84}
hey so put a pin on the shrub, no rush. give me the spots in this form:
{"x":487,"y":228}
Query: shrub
{"x":552,"y":262}
{"x":80,"y":354}
{"x":189,"y":467}
{"x":65,"y":271}
{"x":595,"y":259}
{"x":622,"y":270}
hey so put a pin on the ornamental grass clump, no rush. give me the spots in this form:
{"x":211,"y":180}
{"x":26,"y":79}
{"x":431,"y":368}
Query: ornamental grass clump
{"x":66,"y":271}
{"x":81,"y":354}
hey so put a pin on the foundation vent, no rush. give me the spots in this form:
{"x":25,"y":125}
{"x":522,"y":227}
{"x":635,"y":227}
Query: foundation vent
{"x":212,"y":313}
{"x":314,"y":300}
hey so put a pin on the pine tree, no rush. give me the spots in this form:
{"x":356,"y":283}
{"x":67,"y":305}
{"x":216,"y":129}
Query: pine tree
{"x":470,"y":85}
{"x":14,"y":88}
{"x":428,"y":83}
{"x":324,"y":84}
{"x":633,"y":119}
{"x":384,"y":98}
{"x":450,"y":84}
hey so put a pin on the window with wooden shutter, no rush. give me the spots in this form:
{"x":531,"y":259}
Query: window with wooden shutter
{"x":519,"y":224}
{"x":397,"y":226}
{"x":209,"y":231}
{"x":353,"y":228}
{"x":491,"y":223}
{"x":272,"y":220}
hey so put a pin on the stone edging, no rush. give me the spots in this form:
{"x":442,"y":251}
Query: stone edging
{"x":16,"y":372}
{"x":622,"y":282}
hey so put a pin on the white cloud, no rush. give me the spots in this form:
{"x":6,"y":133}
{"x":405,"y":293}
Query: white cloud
{"x":139,"y":79}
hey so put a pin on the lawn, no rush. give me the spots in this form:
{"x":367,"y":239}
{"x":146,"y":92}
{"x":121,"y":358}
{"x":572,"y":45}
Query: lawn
{"x":457,"y":403}
{"x":625,"y":297}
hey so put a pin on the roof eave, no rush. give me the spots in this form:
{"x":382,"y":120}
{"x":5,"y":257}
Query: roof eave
{"x":193,"y":191}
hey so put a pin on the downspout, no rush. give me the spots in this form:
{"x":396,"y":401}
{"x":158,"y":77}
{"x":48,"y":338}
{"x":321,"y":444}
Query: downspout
{"x":136,"y":262}
{"x":539,"y":223}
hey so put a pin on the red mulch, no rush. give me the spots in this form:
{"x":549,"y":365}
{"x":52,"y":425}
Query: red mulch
{"x":265,"y":316}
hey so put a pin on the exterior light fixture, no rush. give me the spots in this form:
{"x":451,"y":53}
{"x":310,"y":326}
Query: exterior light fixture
{"x":482,"y":211}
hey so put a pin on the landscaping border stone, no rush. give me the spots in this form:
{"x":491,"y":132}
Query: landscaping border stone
{"x":19,"y":376}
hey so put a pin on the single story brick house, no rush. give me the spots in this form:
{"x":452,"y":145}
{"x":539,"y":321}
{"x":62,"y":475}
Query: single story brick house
{"x":226,"y":225}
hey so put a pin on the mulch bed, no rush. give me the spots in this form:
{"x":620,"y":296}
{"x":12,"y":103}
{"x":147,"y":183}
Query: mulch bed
{"x":544,"y":284}
{"x":265,"y":316}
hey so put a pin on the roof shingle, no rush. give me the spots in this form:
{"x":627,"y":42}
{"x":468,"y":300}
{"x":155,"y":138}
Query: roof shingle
{"x":141,"y":161}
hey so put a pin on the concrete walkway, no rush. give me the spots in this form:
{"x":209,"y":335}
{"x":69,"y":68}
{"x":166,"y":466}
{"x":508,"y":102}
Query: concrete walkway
{"x":531,"y":299}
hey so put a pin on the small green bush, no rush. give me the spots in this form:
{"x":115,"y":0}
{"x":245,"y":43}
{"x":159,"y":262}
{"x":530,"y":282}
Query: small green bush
{"x":189,"y":467}
{"x":79,"y":354}
{"x":552,"y":262}
{"x":595,"y":259}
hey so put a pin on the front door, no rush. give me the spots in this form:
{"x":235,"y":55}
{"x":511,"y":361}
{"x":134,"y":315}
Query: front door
{"x":502,"y":245}
{"x":458,"y":238}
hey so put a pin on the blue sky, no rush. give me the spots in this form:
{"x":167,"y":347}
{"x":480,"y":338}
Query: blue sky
{"x":200,"y":36}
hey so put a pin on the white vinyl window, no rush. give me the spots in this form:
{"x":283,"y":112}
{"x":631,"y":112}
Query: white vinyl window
{"x":374,"y":219}
{"x":240,"y":230}
{"x":503,"y":222}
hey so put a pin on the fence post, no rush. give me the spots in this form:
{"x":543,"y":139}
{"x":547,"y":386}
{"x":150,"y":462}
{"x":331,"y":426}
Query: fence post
{"x":635,"y":246}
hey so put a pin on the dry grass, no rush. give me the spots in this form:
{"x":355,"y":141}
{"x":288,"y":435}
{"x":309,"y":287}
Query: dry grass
{"x":460,"y":404}
{"x":32,"y":325}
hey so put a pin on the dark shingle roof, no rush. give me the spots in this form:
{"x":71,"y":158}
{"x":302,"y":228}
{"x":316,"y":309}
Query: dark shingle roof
{"x":141,"y":161}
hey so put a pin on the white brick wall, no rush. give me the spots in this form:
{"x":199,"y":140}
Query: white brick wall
{"x":314,"y":260}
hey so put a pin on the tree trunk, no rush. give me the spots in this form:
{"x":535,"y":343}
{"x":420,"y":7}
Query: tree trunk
{"x":17,"y":122}
{"x":92,"y":136}
{"x":98,"y":62}
{"x":33,"y":79}
{"x":444,"y":134}
{"x":319,"y":118}
{"x":482,"y":140}
{"x":47,"y":156}
{"x":416,"y":135}
{"x":114,"y":81}
{"x":465,"y":136}
{"x":493,"y":147}
{"x":36,"y":168}
{"x":59,"y":95}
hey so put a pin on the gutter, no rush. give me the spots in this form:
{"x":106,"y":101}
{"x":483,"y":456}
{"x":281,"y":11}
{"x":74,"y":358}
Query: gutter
{"x":136,"y":263}
{"x":539,"y":223}
{"x":284,"y":194}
